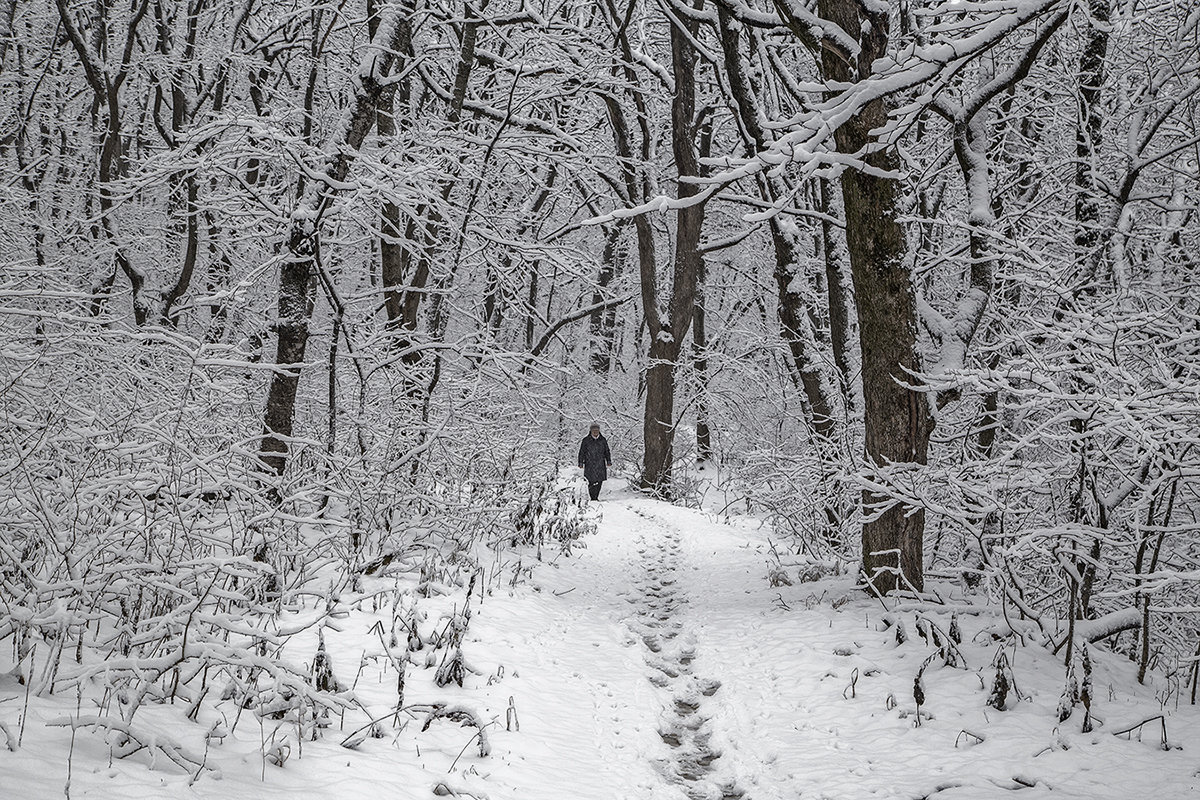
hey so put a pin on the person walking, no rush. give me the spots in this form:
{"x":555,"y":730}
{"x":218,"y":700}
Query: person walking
{"x":594,"y":459}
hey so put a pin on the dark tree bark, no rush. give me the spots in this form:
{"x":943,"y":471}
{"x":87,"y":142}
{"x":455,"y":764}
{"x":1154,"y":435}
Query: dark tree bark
{"x":106,"y":92}
{"x":839,"y":300}
{"x":297,"y":275}
{"x":796,"y":317}
{"x":391,"y":233}
{"x":1090,"y":239}
{"x":897,"y":419}
{"x":700,"y":364}
{"x":409,"y":273}
{"x":602,"y":323}
{"x":667,"y":334}
{"x":7,"y":9}
{"x":1088,"y":199}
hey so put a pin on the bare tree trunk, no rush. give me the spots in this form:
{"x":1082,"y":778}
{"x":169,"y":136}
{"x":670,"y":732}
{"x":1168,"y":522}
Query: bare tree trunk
{"x":841,"y":301}
{"x":7,"y":9}
{"x":794,"y":297}
{"x":106,"y":91}
{"x":658,"y":423}
{"x":897,"y":419}
{"x":700,"y":361}
{"x":601,"y":323}
{"x":1088,"y":201}
{"x":414,"y":267}
{"x":795,"y":316}
{"x":391,"y":238}
{"x":297,"y":276}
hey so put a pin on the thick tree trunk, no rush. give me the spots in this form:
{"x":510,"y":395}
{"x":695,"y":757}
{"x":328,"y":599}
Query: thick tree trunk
{"x":658,"y":426}
{"x":297,"y":284}
{"x":658,"y":420}
{"x":897,"y":420}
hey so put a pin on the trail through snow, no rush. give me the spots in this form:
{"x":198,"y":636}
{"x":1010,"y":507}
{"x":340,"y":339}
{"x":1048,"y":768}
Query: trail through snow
{"x":799,"y":691}
{"x":657,"y":663}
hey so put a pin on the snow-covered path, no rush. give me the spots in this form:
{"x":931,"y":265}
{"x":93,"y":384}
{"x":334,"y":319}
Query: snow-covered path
{"x":705,"y":682}
{"x":657,"y":663}
{"x":627,"y":623}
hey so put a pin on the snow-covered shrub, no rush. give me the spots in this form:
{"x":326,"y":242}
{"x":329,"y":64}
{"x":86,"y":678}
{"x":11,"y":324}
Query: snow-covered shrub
{"x":555,"y":512}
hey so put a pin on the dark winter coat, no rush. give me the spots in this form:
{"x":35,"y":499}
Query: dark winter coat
{"x":595,"y":458}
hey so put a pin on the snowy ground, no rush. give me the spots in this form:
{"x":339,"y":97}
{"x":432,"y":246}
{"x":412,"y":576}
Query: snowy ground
{"x":657,"y":663}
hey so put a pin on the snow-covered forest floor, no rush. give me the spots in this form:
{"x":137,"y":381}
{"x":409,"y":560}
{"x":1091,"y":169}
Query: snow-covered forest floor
{"x":657,"y":662}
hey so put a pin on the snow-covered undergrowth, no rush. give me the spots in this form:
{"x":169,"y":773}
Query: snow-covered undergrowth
{"x":657,"y":661}
{"x":232,"y":671}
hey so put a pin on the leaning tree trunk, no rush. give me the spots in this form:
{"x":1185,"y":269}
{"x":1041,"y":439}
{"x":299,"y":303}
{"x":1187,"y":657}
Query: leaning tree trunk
{"x":897,"y":419}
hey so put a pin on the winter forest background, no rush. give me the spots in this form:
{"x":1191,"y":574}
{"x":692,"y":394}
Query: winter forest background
{"x":291,"y":291}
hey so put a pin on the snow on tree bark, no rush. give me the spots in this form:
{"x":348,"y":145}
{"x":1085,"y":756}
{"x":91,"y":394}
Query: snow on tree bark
{"x":297,"y":273}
